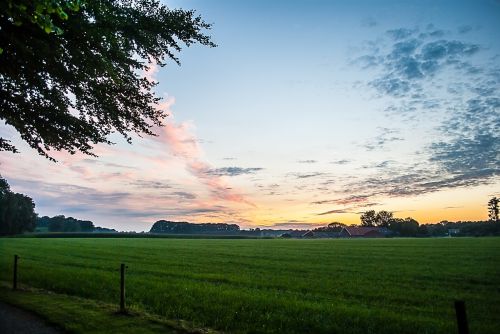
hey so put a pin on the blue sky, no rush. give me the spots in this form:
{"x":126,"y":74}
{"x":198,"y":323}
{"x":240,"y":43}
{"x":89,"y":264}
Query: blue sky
{"x":307,"y":112}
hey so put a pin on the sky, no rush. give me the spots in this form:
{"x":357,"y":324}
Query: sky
{"x":306,"y":113}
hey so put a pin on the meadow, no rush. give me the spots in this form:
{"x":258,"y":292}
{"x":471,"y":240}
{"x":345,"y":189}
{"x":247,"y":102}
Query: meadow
{"x":277,"y":286}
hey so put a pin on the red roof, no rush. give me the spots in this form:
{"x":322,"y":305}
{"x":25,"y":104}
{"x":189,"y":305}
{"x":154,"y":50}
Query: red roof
{"x":358,"y":231}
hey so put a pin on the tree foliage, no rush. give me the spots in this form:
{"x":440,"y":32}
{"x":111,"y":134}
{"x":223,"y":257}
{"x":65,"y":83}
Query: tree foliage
{"x":493,"y":209}
{"x":407,"y":227}
{"x":383,"y":218}
{"x":40,"y":12}
{"x":164,"y":226}
{"x":332,"y":227}
{"x":17,"y":211}
{"x":369,"y":218}
{"x":372,"y":218}
{"x":65,"y":224}
{"x":72,"y":72}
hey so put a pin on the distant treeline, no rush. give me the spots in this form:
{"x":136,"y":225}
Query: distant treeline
{"x":68,"y":224}
{"x":470,"y":228}
{"x":409,"y":227}
{"x":133,"y":235}
{"x":164,"y":226}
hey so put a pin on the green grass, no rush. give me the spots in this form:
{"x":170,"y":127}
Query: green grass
{"x":293,"y":286}
{"x":79,"y":315}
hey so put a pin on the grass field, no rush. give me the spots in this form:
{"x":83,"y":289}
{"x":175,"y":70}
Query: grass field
{"x":287,"y":286}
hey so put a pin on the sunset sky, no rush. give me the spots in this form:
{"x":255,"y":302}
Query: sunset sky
{"x":307,"y":112}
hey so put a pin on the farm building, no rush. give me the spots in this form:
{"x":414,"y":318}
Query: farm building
{"x":308,"y":234}
{"x":320,"y":234}
{"x":362,"y":232}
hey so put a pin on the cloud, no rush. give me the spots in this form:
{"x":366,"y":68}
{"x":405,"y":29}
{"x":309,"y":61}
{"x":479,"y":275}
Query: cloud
{"x":416,"y":179}
{"x":70,"y":196}
{"x":107,"y":164}
{"x":412,"y":58}
{"x":233,"y":171}
{"x":400,"y":33}
{"x":385,"y":137}
{"x":307,"y":161}
{"x":464,"y":29}
{"x":119,"y":206}
{"x":341,"y":162}
{"x":294,"y":224}
{"x":472,"y":158}
{"x":149,"y":184}
{"x":180,"y":140}
{"x":307,"y":175}
{"x":347,"y":200}
{"x":432,"y":75}
{"x":392,"y":86}
{"x":334,"y":211}
{"x":184,"y":195}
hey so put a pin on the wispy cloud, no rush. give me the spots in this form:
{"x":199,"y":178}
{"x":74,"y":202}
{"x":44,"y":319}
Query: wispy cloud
{"x":307,"y":175}
{"x":413,"y":58}
{"x":334,"y":211}
{"x":464,"y":148}
{"x":149,"y":184}
{"x":294,"y":225}
{"x":180,"y":140}
{"x":385,"y":137}
{"x":341,"y":162}
{"x":346,"y":200}
{"x":233,"y":171}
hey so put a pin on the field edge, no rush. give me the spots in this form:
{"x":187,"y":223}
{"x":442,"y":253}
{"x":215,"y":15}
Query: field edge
{"x":80,"y":315}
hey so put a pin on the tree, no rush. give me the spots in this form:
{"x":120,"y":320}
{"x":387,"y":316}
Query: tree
{"x":368,"y":218}
{"x":86,"y":226}
{"x":383,"y":218}
{"x":17,"y":211}
{"x":335,"y":227}
{"x":72,"y":71}
{"x":493,"y":209}
{"x":39,"y":12}
{"x":332,"y":227}
{"x":407,"y":227}
{"x":372,"y":218}
{"x":69,"y":224}
{"x":57,"y":223}
{"x":438,"y":229}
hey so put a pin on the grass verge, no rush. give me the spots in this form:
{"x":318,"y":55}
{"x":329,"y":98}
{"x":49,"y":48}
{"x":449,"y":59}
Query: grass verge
{"x":80,"y":315}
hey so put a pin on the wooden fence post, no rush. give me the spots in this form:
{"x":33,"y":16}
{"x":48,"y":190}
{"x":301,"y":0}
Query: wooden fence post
{"x":14,"y":279}
{"x":463,"y":327}
{"x":122,"y":288}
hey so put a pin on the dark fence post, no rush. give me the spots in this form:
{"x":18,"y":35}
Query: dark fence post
{"x":122,"y":288}
{"x":463,"y":327}
{"x":14,"y":280}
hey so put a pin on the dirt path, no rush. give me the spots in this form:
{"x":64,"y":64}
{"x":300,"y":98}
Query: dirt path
{"x":16,"y":321}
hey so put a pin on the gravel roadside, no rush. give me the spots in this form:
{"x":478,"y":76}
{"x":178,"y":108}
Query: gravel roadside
{"x":16,"y":321}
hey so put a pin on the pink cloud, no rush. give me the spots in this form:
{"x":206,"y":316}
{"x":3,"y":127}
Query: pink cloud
{"x":183,"y":143}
